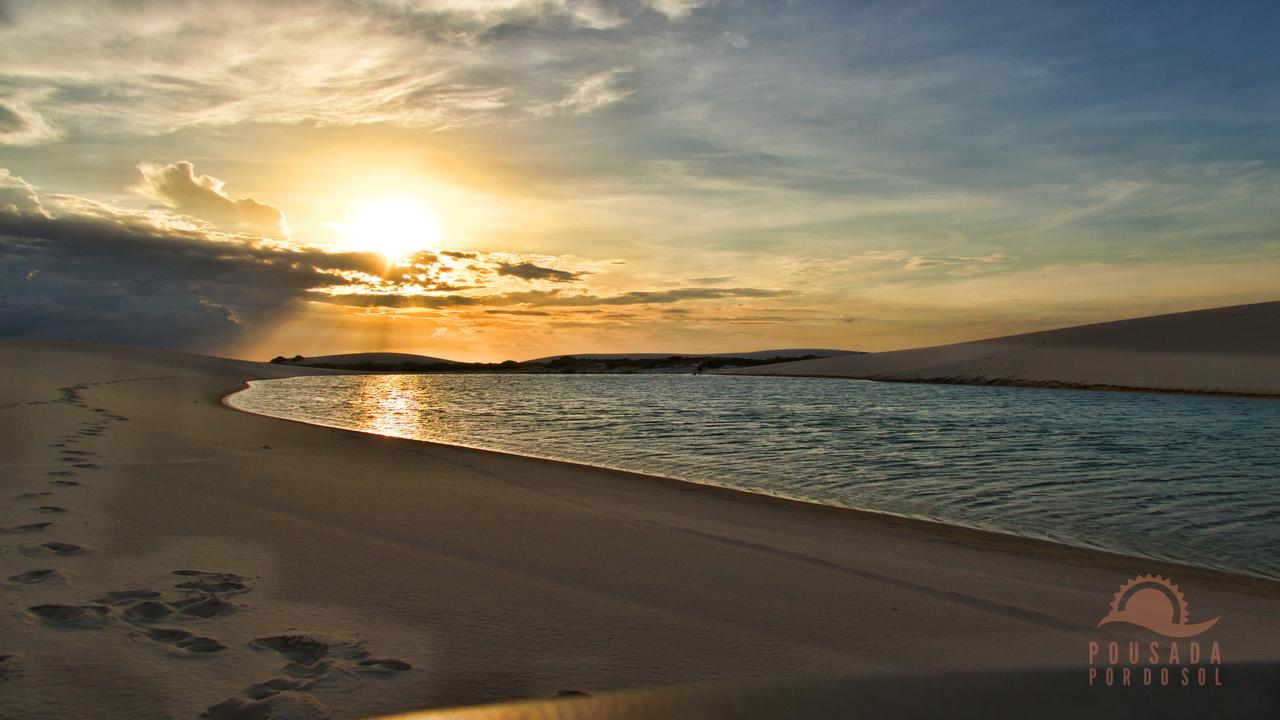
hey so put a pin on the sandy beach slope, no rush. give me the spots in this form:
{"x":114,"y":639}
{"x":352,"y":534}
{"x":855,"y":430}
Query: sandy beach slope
{"x":165,"y":556}
{"x":1223,"y":350}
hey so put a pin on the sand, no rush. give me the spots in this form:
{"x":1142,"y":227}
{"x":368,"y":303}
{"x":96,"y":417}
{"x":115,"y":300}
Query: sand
{"x":165,"y":556}
{"x":1231,"y":350}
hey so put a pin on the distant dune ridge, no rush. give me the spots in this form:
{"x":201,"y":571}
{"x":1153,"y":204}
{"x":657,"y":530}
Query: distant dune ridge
{"x":754,"y":354}
{"x":1221,"y":350}
{"x":395,"y":358}
{"x":371,"y":358}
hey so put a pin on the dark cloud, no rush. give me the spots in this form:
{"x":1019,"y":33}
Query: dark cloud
{"x":178,"y":186}
{"x":529,"y":271}
{"x":517,"y":312}
{"x":97,"y":274}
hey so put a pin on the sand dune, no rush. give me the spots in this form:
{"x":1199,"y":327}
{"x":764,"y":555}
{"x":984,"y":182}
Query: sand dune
{"x":372,"y":358}
{"x":1222,"y":350}
{"x":753,"y":354}
{"x":165,"y":556}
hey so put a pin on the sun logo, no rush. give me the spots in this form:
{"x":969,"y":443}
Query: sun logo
{"x":1154,"y":603}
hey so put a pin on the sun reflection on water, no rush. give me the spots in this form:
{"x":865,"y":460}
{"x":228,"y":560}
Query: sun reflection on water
{"x":391,"y":405}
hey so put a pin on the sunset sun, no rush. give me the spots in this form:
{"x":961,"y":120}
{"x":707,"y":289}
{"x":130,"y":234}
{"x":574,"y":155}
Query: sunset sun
{"x":393,"y":227}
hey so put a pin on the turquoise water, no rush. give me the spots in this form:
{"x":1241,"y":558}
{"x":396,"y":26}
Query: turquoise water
{"x":1175,"y":477}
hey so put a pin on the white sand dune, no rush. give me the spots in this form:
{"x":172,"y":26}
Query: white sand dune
{"x":165,"y":556}
{"x":1222,"y":350}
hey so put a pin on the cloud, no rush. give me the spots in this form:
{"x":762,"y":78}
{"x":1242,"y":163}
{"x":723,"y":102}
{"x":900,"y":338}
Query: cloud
{"x":591,"y":93}
{"x":676,"y":9}
{"x":17,"y":196}
{"x":10,"y":120}
{"x":924,"y":262}
{"x":177,"y":186}
{"x":20,"y":124}
{"x":74,"y":269}
{"x":435,"y":65}
{"x":548,"y":298}
{"x":642,"y":297}
{"x":532,"y":313}
{"x":529,"y":271}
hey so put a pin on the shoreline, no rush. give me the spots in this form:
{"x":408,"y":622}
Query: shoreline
{"x":981,"y":537}
{"x":163,"y":552}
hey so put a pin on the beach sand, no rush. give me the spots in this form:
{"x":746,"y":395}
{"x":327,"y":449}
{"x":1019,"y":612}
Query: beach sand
{"x":163,"y":554}
{"x":1230,"y":350}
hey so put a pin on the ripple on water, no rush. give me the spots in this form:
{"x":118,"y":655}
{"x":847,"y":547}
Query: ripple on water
{"x":1183,"y":478}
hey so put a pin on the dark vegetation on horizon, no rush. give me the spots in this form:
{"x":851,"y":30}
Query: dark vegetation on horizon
{"x":566,"y":364}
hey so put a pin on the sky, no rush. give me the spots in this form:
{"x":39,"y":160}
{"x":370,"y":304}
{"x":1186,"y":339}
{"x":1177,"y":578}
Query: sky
{"x":518,"y":178}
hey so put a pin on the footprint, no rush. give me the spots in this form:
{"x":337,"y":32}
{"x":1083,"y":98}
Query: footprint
{"x":298,"y":648}
{"x":261,"y":690}
{"x":72,"y":617}
{"x":64,"y":549}
{"x":85,"y":453}
{"x":49,"y":509}
{"x":36,"y":576}
{"x":204,"y":606}
{"x":167,"y":635}
{"x":28,"y":528}
{"x":200,"y":645}
{"x":67,"y":483}
{"x":124,"y":597}
{"x":10,"y":668}
{"x":185,"y":641}
{"x":33,"y":495}
{"x":382,"y":666}
{"x":285,"y":706}
{"x":150,"y":611}
{"x":212,"y":582}
{"x":324,"y":659}
{"x":63,"y":473}
{"x":86,"y":466}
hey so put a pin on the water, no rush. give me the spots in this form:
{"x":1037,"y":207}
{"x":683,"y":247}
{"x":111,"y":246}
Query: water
{"x":1183,"y":478}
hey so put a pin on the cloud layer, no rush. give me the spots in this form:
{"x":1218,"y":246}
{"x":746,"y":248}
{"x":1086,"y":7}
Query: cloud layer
{"x":78,"y":269}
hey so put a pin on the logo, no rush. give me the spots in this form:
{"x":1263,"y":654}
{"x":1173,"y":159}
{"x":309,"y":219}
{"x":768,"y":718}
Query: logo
{"x":1154,"y":604}
{"x":1151,"y":602}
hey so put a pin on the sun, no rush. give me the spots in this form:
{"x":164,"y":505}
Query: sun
{"x":394,"y":227}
